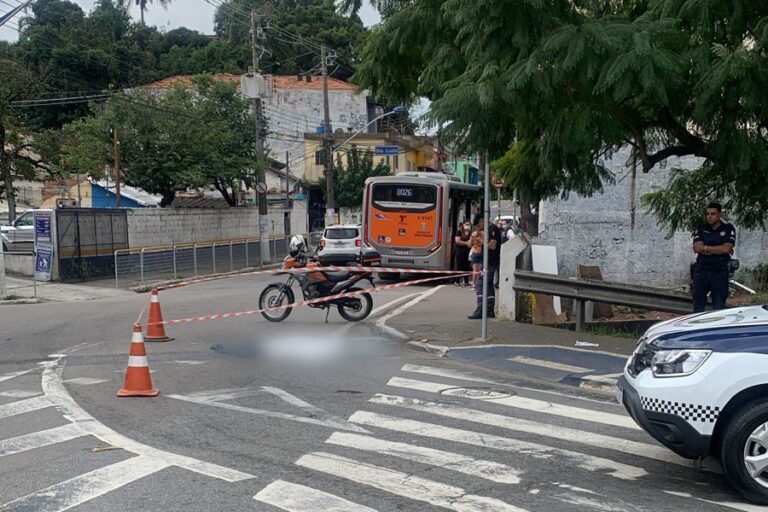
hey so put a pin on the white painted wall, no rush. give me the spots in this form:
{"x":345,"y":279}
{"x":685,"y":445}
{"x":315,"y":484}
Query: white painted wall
{"x":598,"y":231}
{"x":293,"y":112}
{"x":164,"y":226}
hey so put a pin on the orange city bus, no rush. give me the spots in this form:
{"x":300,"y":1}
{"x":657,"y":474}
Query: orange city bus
{"x":410,"y":218}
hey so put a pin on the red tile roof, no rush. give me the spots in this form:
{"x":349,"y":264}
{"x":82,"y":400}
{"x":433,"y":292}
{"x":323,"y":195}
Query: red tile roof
{"x":278,"y":82}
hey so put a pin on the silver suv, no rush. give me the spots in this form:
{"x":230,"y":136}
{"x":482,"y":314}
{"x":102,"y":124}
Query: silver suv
{"x":20,"y":234}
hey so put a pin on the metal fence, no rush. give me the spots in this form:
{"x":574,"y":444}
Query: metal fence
{"x":87,"y":238}
{"x":184,"y":261}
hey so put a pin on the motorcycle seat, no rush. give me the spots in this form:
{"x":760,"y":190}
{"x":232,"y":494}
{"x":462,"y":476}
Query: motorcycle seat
{"x":337,"y":277}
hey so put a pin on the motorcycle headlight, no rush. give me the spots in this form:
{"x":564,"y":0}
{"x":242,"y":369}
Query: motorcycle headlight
{"x":678,"y":363}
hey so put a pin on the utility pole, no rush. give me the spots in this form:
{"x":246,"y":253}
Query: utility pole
{"x":261,"y":181}
{"x":486,"y":277}
{"x":330,"y":201}
{"x":2,"y":272}
{"x":287,"y":219}
{"x":116,"y":148}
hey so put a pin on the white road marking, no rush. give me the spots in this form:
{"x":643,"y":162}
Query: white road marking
{"x":541,"y":451}
{"x":744,"y":507}
{"x":190,"y":363}
{"x":292,"y":400}
{"x":55,"y":391}
{"x":19,"y":393}
{"x":334,"y":423}
{"x":85,"y":487}
{"x":13,"y":375}
{"x":220,"y":395}
{"x":548,"y":364}
{"x":85,"y":381}
{"x":402,"y":484}
{"x":40,"y":439}
{"x":299,"y":498}
{"x":484,"y":469}
{"x":528,"y":404}
{"x":458,"y":375}
{"x":24,"y":406}
{"x":375,"y":312}
{"x":533,"y":427}
{"x":381,"y":323}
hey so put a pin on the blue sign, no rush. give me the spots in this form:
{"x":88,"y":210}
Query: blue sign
{"x":43,"y":227}
{"x":386,"y":150}
{"x":43,"y":263}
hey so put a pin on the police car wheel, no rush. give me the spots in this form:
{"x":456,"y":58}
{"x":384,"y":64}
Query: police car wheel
{"x":744,"y":451}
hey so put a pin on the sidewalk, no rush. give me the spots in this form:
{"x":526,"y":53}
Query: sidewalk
{"x":22,"y":290}
{"x":439,"y":324}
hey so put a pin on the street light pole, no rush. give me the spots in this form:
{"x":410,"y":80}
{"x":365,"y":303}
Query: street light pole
{"x":261,"y":162}
{"x":330,"y":200}
{"x":486,"y":214}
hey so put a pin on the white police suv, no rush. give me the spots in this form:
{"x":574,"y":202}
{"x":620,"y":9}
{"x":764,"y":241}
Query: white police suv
{"x":699,"y":385}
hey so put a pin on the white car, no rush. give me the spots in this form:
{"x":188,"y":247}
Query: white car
{"x":340,"y":245}
{"x":699,"y":385}
{"x":20,"y":234}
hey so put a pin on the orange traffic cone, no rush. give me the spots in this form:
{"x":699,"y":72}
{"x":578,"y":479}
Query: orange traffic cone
{"x":155,"y":327}
{"x":137,"y":379}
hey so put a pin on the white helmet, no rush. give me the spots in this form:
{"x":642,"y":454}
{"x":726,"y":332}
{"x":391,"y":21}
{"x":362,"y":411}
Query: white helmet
{"x":297,"y":245}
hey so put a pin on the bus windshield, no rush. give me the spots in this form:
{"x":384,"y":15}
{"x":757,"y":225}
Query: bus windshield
{"x":404,"y":197}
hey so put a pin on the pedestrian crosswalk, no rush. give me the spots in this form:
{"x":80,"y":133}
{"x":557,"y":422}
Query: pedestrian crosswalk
{"x":77,"y":482}
{"x":431,"y":446}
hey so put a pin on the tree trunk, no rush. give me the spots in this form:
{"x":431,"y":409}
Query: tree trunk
{"x":168,"y":197}
{"x":5,"y":171}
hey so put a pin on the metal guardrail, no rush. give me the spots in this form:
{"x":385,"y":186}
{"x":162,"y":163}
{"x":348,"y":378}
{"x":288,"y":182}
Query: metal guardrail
{"x":583,"y":290}
{"x":189,"y":260}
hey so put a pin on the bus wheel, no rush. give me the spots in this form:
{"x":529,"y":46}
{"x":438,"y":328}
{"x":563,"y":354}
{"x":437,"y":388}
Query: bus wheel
{"x":389,"y":276}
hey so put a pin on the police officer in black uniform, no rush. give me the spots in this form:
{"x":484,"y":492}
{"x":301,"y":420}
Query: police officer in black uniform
{"x":713,"y":242}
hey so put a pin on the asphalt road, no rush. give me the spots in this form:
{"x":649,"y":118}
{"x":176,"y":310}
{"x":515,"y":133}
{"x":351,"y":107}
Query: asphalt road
{"x":316,"y":424}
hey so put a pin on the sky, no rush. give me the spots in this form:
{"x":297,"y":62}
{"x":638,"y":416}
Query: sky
{"x":193,"y":14}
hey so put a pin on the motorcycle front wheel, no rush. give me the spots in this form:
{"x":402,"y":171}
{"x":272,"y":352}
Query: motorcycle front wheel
{"x":356,"y":308}
{"x":276,"y":295}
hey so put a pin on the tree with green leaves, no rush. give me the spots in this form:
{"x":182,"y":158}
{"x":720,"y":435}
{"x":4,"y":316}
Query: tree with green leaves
{"x":186,"y":138}
{"x":24,"y":154}
{"x":143,"y":4}
{"x":553,"y":89}
{"x":349,"y":179}
{"x":315,"y":22}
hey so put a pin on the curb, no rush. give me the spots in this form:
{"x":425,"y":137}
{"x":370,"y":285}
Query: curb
{"x":427,"y":348}
{"x":595,"y":383}
{"x":19,"y":302}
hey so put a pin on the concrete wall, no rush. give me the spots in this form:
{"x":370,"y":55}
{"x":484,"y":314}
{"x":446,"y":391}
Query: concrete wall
{"x":599,"y":231}
{"x":351,"y":215}
{"x":293,"y":112}
{"x":165,"y":226}
{"x":20,"y":263}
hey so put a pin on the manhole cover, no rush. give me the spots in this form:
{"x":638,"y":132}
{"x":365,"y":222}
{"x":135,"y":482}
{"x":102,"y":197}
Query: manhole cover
{"x":481,"y":393}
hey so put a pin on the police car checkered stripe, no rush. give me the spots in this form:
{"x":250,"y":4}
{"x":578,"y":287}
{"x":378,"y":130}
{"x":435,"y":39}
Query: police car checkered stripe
{"x":689,"y":412}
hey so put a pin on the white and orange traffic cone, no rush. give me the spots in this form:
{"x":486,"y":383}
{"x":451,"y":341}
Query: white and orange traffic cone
{"x":155,"y":327}
{"x":138,"y":382}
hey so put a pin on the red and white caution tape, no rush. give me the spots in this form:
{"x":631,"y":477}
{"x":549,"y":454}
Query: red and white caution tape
{"x":222,"y":316}
{"x":305,"y":270}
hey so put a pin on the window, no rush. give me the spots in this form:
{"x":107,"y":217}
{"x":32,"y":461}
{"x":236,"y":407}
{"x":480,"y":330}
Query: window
{"x":320,"y":157}
{"x":397,"y":161}
{"x":405,"y":196}
{"x":27,"y":219}
{"x":341,"y":233}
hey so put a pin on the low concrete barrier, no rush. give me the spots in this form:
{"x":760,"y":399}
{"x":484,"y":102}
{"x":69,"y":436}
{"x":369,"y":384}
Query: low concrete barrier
{"x":21,"y":263}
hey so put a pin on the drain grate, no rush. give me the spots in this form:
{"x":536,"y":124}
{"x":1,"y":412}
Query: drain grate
{"x":477,"y":392}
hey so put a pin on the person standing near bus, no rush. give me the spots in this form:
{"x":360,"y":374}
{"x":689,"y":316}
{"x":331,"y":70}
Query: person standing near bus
{"x":476,"y":250}
{"x":494,"y":258}
{"x":461,"y":248}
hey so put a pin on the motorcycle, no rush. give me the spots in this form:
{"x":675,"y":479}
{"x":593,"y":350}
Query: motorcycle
{"x":315,"y":283}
